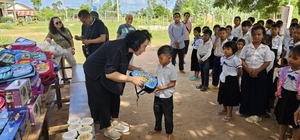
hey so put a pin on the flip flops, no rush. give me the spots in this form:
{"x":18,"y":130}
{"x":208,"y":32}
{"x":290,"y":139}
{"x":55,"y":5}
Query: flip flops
{"x":221,"y":112}
{"x":226,"y":119}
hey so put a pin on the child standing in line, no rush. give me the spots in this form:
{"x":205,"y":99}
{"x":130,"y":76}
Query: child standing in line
{"x":229,"y":91}
{"x":163,"y":100}
{"x":276,"y":43}
{"x":229,"y":30}
{"x":267,"y":40}
{"x":218,"y":52}
{"x":240,"y":44}
{"x":246,"y":35}
{"x":203,"y":53}
{"x":288,"y":44}
{"x":269,"y":24}
{"x":213,"y":39}
{"x":194,"y":60}
{"x":256,"y":58}
{"x":287,"y":102}
{"x":177,"y":31}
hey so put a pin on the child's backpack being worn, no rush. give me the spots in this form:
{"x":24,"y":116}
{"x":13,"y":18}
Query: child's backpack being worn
{"x":283,"y":74}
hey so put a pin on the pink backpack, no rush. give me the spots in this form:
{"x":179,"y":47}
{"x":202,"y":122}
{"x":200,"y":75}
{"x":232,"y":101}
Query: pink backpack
{"x":283,"y":74}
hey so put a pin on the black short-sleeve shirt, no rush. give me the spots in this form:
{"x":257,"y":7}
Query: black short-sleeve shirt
{"x":113,"y":56}
{"x":92,"y":32}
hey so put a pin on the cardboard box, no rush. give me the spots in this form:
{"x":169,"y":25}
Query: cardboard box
{"x":17,"y":125}
{"x":34,"y":108}
{"x":18,"y":93}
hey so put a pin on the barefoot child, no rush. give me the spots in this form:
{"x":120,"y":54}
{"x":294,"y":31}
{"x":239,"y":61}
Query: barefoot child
{"x":194,"y":60}
{"x":229,"y":91}
{"x":288,"y":92}
{"x":163,"y":100}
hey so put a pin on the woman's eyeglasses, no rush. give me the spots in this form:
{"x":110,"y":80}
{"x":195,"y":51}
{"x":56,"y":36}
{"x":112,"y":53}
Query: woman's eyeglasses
{"x":58,"y":22}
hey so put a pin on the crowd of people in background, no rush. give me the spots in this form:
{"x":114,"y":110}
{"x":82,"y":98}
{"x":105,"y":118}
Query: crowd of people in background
{"x":243,"y":59}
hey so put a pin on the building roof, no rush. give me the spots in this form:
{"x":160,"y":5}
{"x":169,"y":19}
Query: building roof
{"x":6,"y":1}
{"x":20,"y":7}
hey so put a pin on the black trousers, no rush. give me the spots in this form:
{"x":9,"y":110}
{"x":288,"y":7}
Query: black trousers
{"x":163,"y":106}
{"x":180,"y":53}
{"x":103,"y":103}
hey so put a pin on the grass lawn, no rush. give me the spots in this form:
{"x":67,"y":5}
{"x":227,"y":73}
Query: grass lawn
{"x":38,"y":32}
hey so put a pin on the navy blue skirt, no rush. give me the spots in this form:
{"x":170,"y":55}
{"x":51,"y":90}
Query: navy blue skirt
{"x":229,"y":92}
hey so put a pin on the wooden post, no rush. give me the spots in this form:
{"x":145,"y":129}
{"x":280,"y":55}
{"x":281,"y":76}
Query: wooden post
{"x":15,"y":14}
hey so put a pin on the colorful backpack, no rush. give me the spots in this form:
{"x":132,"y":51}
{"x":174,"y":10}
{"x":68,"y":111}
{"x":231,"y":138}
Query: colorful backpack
{"x":149,"y":86}
{"x":283,"y":74}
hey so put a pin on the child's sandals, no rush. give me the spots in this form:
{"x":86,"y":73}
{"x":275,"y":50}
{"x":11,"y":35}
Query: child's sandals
{"x":226,"y":119}
{"x":221,"y":112}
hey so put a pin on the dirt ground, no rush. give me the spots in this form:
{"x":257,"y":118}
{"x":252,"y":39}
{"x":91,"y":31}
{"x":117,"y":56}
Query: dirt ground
{"x":194,"y":112}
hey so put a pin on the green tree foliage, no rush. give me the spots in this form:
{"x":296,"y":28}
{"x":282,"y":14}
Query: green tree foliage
{"x":85,"y":7}
{"x":160,"y":10}
{"x":107,"y":6}
{"x":37,"y":4}
{"x":177,"y":7}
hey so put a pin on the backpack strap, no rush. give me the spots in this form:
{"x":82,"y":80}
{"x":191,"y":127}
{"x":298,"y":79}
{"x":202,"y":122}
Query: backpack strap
{"x":282,"y":77}
{"x":298,"y":83}
{"x":138,"y":93}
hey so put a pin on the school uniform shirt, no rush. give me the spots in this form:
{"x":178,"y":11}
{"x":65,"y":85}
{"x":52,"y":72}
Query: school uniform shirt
{"x":288,"y":45}
{"x":272,"y":62}
{"x":255,"y":58}
{"x":230,"y":37}
{"x":277,"y":44}
{"x":204,"y":50}
{"x":290,"y":82}
{"x":164,"y":77}
{"x":219,"y":48}
{"x":113,"y":56}
{"x":237,"y":32}
{"x":281,"y":32}
{"x":188,"y":29}
{"x":268,"y":32}
{"x":287,"y":32}
{"x":213,"y":38}
{"x":247,"y":37}
{"x":177,"y":32}
{"x":229,"y":66}
{"x":196,"y":43}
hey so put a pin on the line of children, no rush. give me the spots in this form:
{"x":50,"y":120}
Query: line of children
{"x":276,"y":42}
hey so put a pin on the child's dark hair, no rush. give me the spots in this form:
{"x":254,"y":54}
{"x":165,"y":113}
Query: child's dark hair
{"x":241,"y":40}
{"x":232,"y":45}
{"x":208,"y":32}
{"x":294,"y":25}
{"x":222,"y":29}
{"x":296,"y":50}
{"x":275,"y":26}
{"x":229,"y":26}
{"x":205,"y":27}
{"x":246,"y":23}
{"x":198,"y":29}
{"x":166,"y":49}
{"x":257,"y":27}
{"x":186,"y":13}
{"x":217,"y":26}
{"x":295,"y":20}
{"x":261,"y":22}
{"x":176,"y":14}
{"x":279,"y":22}
{"x":268,"y":39}
{"x":238,"y":17}
{"x":270,"y":21}
{"x":252,"y":19}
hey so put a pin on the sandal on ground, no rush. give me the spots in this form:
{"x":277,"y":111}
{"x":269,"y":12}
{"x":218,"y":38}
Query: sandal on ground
{"x":221,"y":112}
{"x":153,"y":132}
{"x":226,"y":119}
{"x":253,"y":119}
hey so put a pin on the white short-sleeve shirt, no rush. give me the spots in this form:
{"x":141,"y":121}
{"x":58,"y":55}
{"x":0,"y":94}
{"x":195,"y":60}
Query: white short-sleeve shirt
{"x":255,"y":58}
{"x":230,"y":66}
{"x":219,"y":48}
{"x":272,"y":62}
{"x":165,"y":76}
{"x":290,"y":82}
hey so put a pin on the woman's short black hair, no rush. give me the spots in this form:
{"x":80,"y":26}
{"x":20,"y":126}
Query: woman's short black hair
{"x":232,"y":45}
{"x":258,"y":27}
{"x":166,"y":49}
{"x":134,"y":39}
{"x":52,"y":28}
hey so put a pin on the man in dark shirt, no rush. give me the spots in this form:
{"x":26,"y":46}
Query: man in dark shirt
{"x":93,"y":32}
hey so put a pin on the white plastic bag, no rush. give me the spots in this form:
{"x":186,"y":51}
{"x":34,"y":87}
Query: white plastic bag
{"x":56,"y":49}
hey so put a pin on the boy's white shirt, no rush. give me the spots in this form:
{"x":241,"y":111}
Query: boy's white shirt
{"x":247,"y":37}
{"x":165,"y":76}
{"x":204,"y":49}
{"x":219,"y":48}
{"x":272,"y":62}
{"x":237,"y":32}
{"x":268,"y":32}
{"x":277,"y":44}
